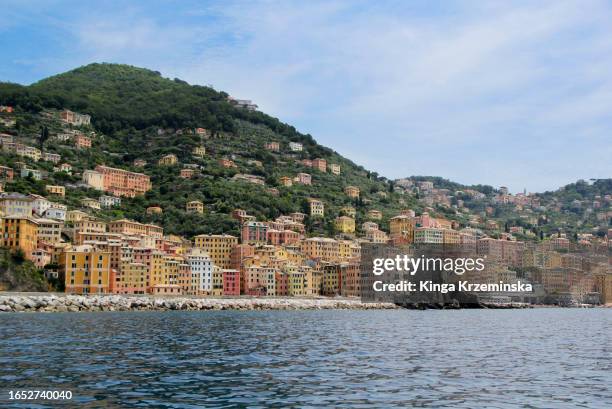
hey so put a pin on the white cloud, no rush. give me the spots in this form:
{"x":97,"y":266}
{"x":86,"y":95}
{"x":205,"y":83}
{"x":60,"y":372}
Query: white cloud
{"x":489,"y":85}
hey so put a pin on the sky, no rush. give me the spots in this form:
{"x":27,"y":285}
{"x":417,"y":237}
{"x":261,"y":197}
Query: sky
{"x":505,"y":93}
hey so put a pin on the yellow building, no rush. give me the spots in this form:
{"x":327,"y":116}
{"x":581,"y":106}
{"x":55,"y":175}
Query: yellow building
{"x":352,"y":191}
{"x":317,"y":208}
{"x":132,"y":279}
{"x":217,"y":282}
{"x":295,"y":282}
{"x":56,"y":190}
{"x":199,"y":151}
{"x":86,"y":270}
{"x":218,"y":246}
{"x":154,"y":210}
{"x":345,"y":224}
{"x":334,"y":168}
{"x":312,"y":281}
{"x":332,"y":280}
{"x":321,"y":248}
{"x":168,"y":160}
{"x":91,"y":203}
{"x":195,"y":206}
{"x":89,"y":225}
{"x":156,"y":265}
{"x":19,"y":232}
{"x":130,"y":227}
{"x":75,"y":215}
{"x":375,"y":214}
{"x":450,"y":236}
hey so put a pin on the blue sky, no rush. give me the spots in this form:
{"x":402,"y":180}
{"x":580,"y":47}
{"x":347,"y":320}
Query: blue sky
{"x":502,"y":93}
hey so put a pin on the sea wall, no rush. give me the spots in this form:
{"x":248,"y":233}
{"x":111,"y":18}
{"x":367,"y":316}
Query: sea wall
{"x":74,"y":303}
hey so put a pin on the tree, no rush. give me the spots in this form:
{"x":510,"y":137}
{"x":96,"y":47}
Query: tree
{"x":44,"y":135}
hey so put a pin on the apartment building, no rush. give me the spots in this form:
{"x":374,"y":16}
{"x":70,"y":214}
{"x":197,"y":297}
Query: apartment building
{"x":20,"y":232}
{"x":74,"y":118}
{"x":303,"y":178}
{"x":168,"y":160}
{"x":334,"y":168}
{"x":321,"y":248}
{"x":16,"y":204}
{"x":345,"y":224}
{"x":86,"y":270}
{"x":218,"y":246}
{"x":317,"y":208}
{"x":195,"y":206}
{"x":320,"y":164}
{"x":49,"y":231}
{"x":56,"y":190}
{"x":121,"y":182}
{"x":352,"y":191}
{"x":296,"y":146}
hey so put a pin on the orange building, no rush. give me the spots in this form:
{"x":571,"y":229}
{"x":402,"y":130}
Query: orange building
{"x":320,"y":164}
{"x":82,"y":141}
{"x":19,"y":232}
{"x":121,"y":182}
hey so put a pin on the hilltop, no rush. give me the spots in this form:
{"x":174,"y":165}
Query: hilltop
{"x":138,"y":114}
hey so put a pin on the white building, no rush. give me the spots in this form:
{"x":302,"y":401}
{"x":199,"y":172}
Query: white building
{"x":40,"y":205}
{"x":295,"y":146}
{"x":201,"y":267}
{"x":56,"y":211}
{"x":109,"y":201}
{"x":36,"y":174}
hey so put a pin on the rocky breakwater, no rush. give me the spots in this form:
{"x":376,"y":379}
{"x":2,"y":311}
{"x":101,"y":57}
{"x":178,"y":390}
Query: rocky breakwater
{"x":74,"y":303}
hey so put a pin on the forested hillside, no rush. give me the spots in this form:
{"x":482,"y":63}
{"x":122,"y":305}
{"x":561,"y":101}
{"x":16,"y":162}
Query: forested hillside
{"x":138,"y":114}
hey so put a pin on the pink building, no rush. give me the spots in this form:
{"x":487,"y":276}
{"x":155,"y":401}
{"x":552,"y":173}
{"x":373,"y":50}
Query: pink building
{"x":303,"y":178}
{"x":281,"y":284}
{"x":280,"y":237}
{"x":254,"y":233}
{"x":231,"y":282}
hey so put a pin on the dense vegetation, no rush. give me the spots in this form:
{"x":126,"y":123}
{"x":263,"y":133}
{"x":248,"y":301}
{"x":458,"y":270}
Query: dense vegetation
{"x":18,"y":274}
{"x":136,"y":113}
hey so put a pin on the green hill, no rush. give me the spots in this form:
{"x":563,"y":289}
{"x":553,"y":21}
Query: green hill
{"x":136,"y":113}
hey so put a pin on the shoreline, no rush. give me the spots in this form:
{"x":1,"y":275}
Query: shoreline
{"x":60,"y":302}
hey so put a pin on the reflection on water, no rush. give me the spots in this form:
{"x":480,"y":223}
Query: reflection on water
{"x":469,"y":358}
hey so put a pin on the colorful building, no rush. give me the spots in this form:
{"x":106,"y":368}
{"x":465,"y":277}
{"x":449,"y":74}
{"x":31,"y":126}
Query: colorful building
{"x":218,"y":246}
{"x":320,"y":164}
{"x":56,"y":190}
{"x":345,"y":224}
{"x":86,"y":270}
{"x":317,"y":208}
{"x":195,"y":206}
{"x":352,"y":191}
{"x":20,"y":232}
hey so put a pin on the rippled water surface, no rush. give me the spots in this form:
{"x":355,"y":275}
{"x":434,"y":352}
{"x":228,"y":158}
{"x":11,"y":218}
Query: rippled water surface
{"x":541,"y":358}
